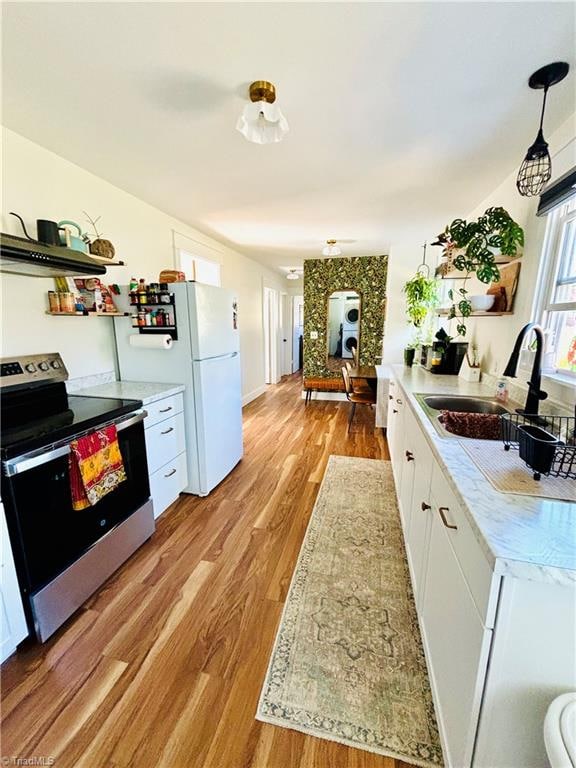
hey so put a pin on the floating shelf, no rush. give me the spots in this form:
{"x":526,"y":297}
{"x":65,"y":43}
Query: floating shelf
{"x":107,"y":262}
{"x":445,"y":313}
{"x":87,"y":313}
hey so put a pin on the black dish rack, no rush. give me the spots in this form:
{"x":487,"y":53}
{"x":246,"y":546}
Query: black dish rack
{"x":547,"y":444}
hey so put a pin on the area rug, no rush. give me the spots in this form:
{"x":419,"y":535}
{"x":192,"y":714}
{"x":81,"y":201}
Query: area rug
{"x":348,"y":663}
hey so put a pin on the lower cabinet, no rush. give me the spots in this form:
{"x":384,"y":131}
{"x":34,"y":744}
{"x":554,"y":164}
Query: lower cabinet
{"x":12,"y":620}
{"x":167,"y":483}
{"x":499,"y":649}
{"x":166,"y":450}
{"x":457,"y":644}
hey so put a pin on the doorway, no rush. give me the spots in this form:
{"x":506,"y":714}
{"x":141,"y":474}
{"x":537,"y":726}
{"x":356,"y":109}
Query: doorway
{"x":297,"y":332}
{"x":271,"y":332}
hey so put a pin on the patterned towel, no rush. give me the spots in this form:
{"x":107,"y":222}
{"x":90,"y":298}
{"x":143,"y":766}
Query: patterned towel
{"x":482,"y":426}
{"x":96,"y":467}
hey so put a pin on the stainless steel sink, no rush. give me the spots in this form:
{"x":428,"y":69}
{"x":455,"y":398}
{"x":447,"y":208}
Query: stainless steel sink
{"x":433,"y":405}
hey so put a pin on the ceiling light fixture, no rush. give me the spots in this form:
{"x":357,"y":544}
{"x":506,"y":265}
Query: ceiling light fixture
{"x":292,"y":275}
{"x":331,"y":249}
{"x":262,"y":121}
{"x":536,"y":168}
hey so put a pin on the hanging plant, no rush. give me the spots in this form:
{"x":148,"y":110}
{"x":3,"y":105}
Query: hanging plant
{"x":421,"y":297}
{"x":471,"y":248}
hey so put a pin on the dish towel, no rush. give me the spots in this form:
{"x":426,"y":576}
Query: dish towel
{"x":96,"y":467}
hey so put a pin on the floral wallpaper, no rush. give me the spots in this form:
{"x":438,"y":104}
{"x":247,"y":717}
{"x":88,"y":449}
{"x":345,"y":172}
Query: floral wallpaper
{"x":364,"y":274}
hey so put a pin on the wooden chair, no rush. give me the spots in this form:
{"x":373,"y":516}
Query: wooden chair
{"x":365,"y":398}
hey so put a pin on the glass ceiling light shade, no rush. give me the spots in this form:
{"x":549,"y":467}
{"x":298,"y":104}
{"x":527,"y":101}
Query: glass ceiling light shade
{"x":292,"y":275}
{"x":536,"y":169}
{"x":262,"y":121}
{"x":331,"y":249}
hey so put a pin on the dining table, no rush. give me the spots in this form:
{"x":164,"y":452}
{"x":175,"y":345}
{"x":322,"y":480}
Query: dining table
{"x":366,"y":372}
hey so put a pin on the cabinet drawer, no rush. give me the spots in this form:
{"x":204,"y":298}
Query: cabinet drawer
{"x":164,"y":440}
{"x":163,"y":409}
{"x":168,"y":482}
{"x":472,"y":561}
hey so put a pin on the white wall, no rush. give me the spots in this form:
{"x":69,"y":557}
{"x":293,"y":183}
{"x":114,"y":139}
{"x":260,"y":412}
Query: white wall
{"x":495,"y":336}
{"x":39,"y":184}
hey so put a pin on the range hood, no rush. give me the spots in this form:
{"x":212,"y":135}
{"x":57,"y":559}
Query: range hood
{"x":30,"y":257}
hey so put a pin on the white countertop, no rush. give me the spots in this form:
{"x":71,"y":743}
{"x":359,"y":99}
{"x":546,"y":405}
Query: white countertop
{"x":523,"y":536}
{"x":147,"y":391}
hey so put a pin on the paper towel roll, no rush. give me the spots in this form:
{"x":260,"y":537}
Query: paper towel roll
{"x":151,"y":341}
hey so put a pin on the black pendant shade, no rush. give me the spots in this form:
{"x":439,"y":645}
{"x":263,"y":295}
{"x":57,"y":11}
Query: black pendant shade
{"x":536,"y":168}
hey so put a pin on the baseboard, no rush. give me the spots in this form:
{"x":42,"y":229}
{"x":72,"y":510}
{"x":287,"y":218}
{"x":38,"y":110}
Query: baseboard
{"x":325,"y":395}
{"x":253,"y":395}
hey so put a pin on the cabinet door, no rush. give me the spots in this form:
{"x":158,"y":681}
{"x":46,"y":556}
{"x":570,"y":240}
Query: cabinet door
{"x":395,"y":434}
{"x":456,"y":644}
{"x":418,"y":535}
{"x":408,"y":458}
{"x":12,"y":619}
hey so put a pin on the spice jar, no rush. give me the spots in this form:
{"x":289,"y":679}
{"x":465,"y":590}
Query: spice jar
{"x":54,"y":301}
{"x":67,"y":302}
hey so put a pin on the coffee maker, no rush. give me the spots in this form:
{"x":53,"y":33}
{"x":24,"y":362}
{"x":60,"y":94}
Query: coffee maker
{"x":444,"y":355}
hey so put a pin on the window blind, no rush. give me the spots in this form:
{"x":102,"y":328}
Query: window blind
{"x":557,"y":193}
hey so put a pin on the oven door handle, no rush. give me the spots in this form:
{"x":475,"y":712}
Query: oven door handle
{"x":36,"y":458}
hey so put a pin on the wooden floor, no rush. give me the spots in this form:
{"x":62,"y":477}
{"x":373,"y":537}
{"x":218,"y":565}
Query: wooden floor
{"x":163,"y":667}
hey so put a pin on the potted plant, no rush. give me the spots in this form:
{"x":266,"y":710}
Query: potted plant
{"x":421,"y":297}
{"x":409,"y":353}
{"x":471,"y":246}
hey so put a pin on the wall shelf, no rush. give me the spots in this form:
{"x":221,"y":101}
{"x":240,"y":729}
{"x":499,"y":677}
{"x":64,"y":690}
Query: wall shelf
{"x":87,"y":313}
{"x":445,"y":312}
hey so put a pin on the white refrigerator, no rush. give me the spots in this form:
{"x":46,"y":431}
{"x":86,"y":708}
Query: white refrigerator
{"x":206,"y":359}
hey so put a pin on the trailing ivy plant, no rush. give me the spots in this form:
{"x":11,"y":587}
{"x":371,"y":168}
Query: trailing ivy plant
{"x":471,"y":246}
{"x":421,"y":297}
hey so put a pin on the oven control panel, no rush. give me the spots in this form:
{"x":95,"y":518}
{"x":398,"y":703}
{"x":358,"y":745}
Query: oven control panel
{"x":27,"y":369}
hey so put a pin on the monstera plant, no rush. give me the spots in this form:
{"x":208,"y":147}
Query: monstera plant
{"x":472,"y":246}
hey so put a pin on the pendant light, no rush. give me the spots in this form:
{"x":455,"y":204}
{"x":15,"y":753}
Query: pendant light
{"x":331,"y":249}
{"x":536,"y":168}
{"x":262,"y":121}
{"x":292,"y":275}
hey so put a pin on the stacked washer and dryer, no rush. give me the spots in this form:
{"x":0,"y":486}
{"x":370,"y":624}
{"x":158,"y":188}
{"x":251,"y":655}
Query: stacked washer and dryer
{"x":350,"y":327}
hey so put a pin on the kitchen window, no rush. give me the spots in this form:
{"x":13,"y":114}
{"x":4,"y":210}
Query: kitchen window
{"x":556,"y":304}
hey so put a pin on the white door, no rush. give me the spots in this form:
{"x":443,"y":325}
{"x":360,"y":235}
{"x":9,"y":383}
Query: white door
{"x":213,"y":321}
{"x":218,"y":404}
{"x":271,"y":335}
{"x":286,"y":333}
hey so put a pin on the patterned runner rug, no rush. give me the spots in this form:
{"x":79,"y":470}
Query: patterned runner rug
{"x":348,"y":663}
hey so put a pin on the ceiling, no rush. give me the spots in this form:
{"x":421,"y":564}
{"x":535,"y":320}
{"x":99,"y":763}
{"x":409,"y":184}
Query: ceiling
{"x":401,"y":114}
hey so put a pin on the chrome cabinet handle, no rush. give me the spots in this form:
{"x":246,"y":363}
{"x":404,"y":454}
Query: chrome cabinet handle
{"x":165,"y":410}
{"x":425,"y":506}
{"x":172,"y":472}
{"x":442,"y":511}
{"x":409,"y":456}
{"x":167,"y":431}
{"x":399,"y":401}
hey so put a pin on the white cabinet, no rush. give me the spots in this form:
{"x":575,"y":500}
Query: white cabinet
{"x":166,"y":450}
{"x":418,"y":532}
{"x":456,"y":644}
{"x":13,"y":621}
{"x":498,"y":649}
{"x":395,"y":433}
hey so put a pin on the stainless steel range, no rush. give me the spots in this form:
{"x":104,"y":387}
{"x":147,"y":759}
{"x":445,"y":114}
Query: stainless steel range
{"x":62,"y":555}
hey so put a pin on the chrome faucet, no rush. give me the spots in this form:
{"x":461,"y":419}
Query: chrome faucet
{"x":535,"y":394}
